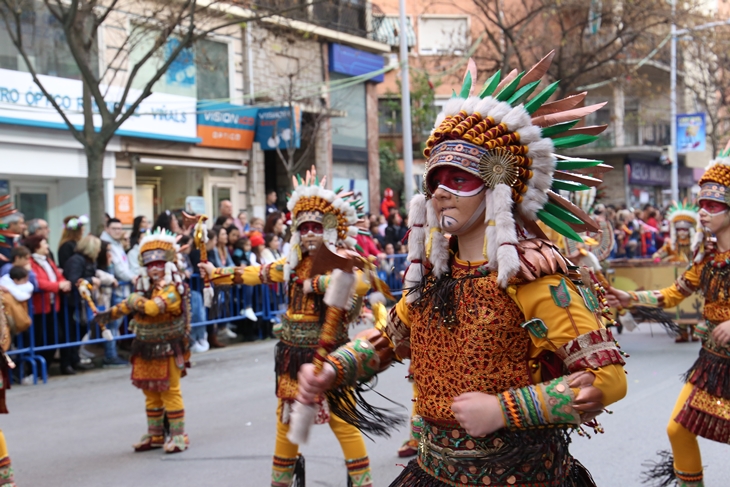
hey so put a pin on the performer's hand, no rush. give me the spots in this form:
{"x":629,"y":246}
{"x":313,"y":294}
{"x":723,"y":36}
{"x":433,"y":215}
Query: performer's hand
{"x":380,"y":343}
{"x":588,"y":401}
{"x":206,"y":269}
{"x":617,"y":298}
{"x":478,"y":413}
{"x":312,"y":385}
{"x":307,"y":286}
{"x":721,"y":333}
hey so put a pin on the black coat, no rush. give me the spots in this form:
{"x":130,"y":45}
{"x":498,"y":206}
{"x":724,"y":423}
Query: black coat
{"x":78,"y":266}
{"x":65,"y":251}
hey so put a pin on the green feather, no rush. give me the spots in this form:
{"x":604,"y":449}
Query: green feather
{"x":558,"y":225}
{"x":466,"y":87}
{"x":577,"y":163}
{"x":299,"y":179}
{"x":532,"y":105}
{"x":509,"y":90}
{"x":339,"y":190}
{"x":316,"y":180}
{"x":573,"y":141}
{"x":491,"y":84}
{"x":559,"y":128}
{"x":569,"y":185}
{"x":453,"y":93}
{"x":561,"y":213}
{"x":523,"y":93}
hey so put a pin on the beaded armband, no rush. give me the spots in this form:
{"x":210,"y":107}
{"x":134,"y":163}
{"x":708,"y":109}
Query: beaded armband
{"x":591,"y":350}
{"x":135,"y":302}
{"x":223,"y":276}
{"x":535,"y":406}
{"x":319,"y":284}
{"x":652,"y":299}
{"x":354,"y":362}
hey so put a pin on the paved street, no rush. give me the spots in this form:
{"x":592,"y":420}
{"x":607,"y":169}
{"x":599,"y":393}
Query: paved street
{"x":77,"y":431}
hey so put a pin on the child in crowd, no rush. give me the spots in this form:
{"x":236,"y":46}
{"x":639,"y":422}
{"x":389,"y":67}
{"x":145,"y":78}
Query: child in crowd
{"x":20,"y":257}
{"x":17,"y":282}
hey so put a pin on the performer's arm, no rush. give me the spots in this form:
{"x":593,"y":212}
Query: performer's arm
{"x":560,"y":321}
{"x":251,"y":275}
{"x":662,"y":253}
{"x":671,"y":296}
{"x":167,"y":301}
{"x":321,"y":281}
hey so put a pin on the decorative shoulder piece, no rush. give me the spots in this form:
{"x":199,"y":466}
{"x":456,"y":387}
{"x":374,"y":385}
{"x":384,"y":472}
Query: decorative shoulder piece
{"x":590,"y":351}
{"x":540,"y":258}
{"x":536,"y":327}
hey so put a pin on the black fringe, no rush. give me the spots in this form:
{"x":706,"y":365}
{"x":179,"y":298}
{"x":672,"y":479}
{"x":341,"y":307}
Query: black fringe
{"x":661,"y":473}
{"x":151,"y":350}
{"x":710,"y":373}
{"x":5,"y":371}
{"x":442,"y":296}
{"x":165,"y":424}
{"x":299,"y":472}
{"x":714,"y":281}
{"x":644,"y":314}
{"x":350,"y":406}
{"x":414,"y":476}
{"x":288,"y":359}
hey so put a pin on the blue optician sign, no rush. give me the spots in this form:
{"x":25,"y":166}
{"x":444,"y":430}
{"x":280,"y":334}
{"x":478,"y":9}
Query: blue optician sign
{"x":353,"y":62}
{"x":691,"y":132}
{"x":278,"y":127}
{"x":225,"y":125}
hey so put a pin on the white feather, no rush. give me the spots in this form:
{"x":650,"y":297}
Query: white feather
{"x":485,"y":106}
{"x":529,"y":134}
{"x":533,"y":201}
{"x":541,"y":149}
{"x":499,"y":111}
{"x":470,"y":103}
{"x":439,"y":257}
{"x":517,"y":118}
{"x":453,"y":106}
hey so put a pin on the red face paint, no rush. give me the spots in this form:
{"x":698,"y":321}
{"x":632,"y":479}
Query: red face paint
{"x":313,"y":227}
{"x":712,"y":207}
{"x":455,"y":181}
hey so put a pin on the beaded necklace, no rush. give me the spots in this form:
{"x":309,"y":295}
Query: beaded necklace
{"x":715,"y":276}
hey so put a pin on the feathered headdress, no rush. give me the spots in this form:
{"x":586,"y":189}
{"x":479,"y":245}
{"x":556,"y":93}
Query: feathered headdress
{"x":159,"y":246}
{"x":682,"y":215}
{"x":337,"y":211}
{"x":6,"y":209}
{"x":715,"y":183}
{"x":507,"y":138}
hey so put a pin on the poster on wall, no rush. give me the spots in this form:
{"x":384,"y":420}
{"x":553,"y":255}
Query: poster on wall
{"x":359,"y":187}
{"x":278,"y":127}
{"x":124,"y":208}
{"x":226,"y":126}
{"x":691,"y":132}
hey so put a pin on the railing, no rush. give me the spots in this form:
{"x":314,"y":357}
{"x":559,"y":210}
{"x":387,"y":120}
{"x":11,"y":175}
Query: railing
{"x":348,"y":16}
{"x":53,"y":331}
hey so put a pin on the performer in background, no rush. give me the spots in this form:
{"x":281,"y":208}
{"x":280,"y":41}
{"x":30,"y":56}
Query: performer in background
{"x":508,"y":350}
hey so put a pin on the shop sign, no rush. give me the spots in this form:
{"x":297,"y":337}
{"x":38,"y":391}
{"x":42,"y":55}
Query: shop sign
{"x":354,"y":62}
{"x":160,"y":116}
{"x":691,"y":132}
{"x":226,"y":126}
{"x":278,"y":127}
{"x":124,"y":208}
{"x":644,"y":173}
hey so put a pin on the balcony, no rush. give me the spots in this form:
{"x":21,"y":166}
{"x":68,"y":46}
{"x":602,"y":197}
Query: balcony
{"x":347,"y":16}
{"x":635,"y":135}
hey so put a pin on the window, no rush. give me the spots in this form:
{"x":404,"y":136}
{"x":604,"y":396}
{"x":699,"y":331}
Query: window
{"x":443,"y":35}
{"x":389,"y":119}
{"x":44,"y":43}
{"x":202,"y":72}
{"x":349,"y":131}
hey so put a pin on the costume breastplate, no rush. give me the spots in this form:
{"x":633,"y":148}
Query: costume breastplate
{"x":483,"y":350}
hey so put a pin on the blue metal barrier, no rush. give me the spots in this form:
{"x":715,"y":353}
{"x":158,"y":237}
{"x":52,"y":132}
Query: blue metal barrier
{"x":65,"y":328}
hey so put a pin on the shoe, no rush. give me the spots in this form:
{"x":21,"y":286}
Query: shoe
{"x":83,"y":365}
{"x":249,"y":314}
{"x":149,"y":442}
{"x":86,"y":354}
{"x":114,"y":362}
{"x":85,"y":361}
{"x":28,"y":380}
{"x":177,"y":444}
{"x":204,"y":345}
{"x":682,"y":338}
{"x":214,"y":343}
{"x":196,"y":347}
{"x":228,"y":333}
{"x":409,"y":449}
{"x":68,"y":370}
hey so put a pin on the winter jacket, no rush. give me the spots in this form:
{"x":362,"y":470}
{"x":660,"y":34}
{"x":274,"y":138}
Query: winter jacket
{"x":47,"y":291}
{"x":122,"y":271}
{"x":78,"y":266}
{"x":65,"y":251}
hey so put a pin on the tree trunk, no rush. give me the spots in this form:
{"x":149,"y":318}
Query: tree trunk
{"x":95,"y":186}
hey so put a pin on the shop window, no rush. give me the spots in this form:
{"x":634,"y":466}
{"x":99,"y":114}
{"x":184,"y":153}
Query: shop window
{"x":390,"y":121}
{"x":45,"y":44}
{"x":448,"y":35}
{"x":201,"y":72}
{"x":349,"y":131}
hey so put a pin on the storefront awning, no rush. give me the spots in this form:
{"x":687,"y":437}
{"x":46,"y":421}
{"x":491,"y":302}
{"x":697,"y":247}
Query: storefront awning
{"x":387,"y":31}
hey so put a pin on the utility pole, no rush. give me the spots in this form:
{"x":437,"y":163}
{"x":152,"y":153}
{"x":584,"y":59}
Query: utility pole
{"x":405,"y":107}
{"x":673,"y":106}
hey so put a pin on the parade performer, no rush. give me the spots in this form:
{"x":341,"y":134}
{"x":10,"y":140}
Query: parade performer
{"x":683,"y":220}
{"x":507,"y":347}
{"x":161,"y":320}
{"x":319,"y":217}
{"x":703,"y":407}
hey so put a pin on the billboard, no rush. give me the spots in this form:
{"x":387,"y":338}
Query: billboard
{"x":226,"y":126}
{"x":691,"y":132}
{"x":278,"y":127}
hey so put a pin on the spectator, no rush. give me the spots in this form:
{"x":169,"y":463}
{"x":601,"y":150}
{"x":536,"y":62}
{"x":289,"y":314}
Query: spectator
{"x":105,"y":273}
{"x":20,"y":256}
{"x":382,"y":225}
{"x":258,"y":244}
{"x":223,"y":221}
{"x":139,"y":228}
{"x":219,"y":256}
{"x":17,"y":282}
{"x":114,"y":236}
{"x":234,"y":235}
{"x":379,"y":239}
{"x":257,"y":225}
{"x":394,"y":232}
{"x":73,"y":230}
{"x":275,"y":225}
{"x":270,"y":254}
{"x":225,"y":209}
{"x":271,"y":198}
{"x":80,"y":266}
{"x":167,"y":221}
{"x":365,"y":239}
{"x":388,"y":204}
{"x":212,"y":247}
{"x":242,"y":222}
{"x":16,"y":225}
{"x":47,"y":298}
{"x":198,"y":341}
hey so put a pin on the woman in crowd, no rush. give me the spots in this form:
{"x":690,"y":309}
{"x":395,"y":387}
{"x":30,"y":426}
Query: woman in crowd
{"x":234,"y":235}
{"x":81,"y":266}
{"x":220,"y":255}
{"x":257,"y":225}
{"x":47,"y":301}
{"x":167,"y":221}
{"x":139,"y":228}
{"x":73,"y":230}
{"x":271,"y":249}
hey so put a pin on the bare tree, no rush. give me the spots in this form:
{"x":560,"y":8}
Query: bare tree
{"x":144,"y":27}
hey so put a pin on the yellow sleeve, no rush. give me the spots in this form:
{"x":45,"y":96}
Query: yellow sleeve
{"x":362,"y":286}
{"x":401,"y":308}
{"x":557,"y":302}
{"x":167,"y":300}
{"x":251,"y":275}
{"x":671,"y":296}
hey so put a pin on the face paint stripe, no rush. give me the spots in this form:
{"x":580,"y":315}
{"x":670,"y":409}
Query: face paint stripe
{"x":463,"y":194}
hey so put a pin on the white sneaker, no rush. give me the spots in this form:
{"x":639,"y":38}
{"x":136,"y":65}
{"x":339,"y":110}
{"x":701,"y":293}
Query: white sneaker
{"x":227,"y":332}
{"x":85,"y":361}
{"x":27,"y":380}
{"x":248,"y":313}
{"x":204,"y":345}
{"x":196,"y":347}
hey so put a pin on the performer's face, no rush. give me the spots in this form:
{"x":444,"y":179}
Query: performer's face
{"x":311,"y":236}
{"x":457,"y":198}
{"x":156,"y":271}
{"x":682,"y":233}
{"x":714,"y":215}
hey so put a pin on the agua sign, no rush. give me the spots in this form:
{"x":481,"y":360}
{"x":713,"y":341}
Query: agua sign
{"x":226,"y":126}
{"x":159,"y":116}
